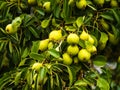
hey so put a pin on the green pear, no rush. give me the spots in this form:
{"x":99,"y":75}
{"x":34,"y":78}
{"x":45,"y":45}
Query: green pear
{"x":10,"y":30}
{"x":81,"y":4}
{"x":47,"y":6}
{"x":99,"y":2}
{"x":84,"y":35}
{"x":84,"y":55}
{"x":73,"y":38}
{"x":55,"y":35}
{"x":114,"y":3}
{"x":112,"y":39}
{"x":72,"y":50}
{"x":32,"y":2}
{"x":67,"y":59}
{"x":43,"y":44}
{"x":36,"y":66}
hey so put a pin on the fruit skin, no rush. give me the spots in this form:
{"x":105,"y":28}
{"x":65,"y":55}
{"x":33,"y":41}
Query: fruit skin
{"x":90,"y":39}
{"x":104,"y":24}
{"x":76,"y":60}
{"x":47,"y":7}
{"x":84,"y":55}
{"x":32,"y":2}
{"x":84,"y":35}
{"x":73,"y":38}
{"x":50,"y":45}
{"x":114,"y":3}
{"x":43,"y":44}
{"x":9,"y":29}
{"x":81,"y":4}
{"x":36,"y":66}
{"x":55,"y":35}
{"x":112,"y":39}
{"x":67,"y":59}
{"x":99,"y":2}
{"x":91,"y":49}
{"x":72,"y":50}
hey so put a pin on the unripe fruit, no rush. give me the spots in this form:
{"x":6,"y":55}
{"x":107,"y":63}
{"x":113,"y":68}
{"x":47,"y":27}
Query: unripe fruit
{"x":72,"y":50}
{"x":76,"y":60}
{"x":104,"y":24}
{"x":73,"y":38}
{"x":114,"y":3}
{"x":9,"y":29}
{"x":90,"y":39}
{"x":71,"y":2}
{"x":84,"y":35}
{"x":55,"y":35}
{"x":32,"y":2}
{"x":47,"y":7}
{"x":84,"y":55}
{"x":81,"y":4}
{"x":36,"y":66}
{"x":67,"y":59}
{"x":50,"y":45}
{"x":99,"y":2}
{"x":43,"y":44}
{"x":91,"y":48}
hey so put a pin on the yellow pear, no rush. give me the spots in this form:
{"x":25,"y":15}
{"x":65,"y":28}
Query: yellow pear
{"x":84,"y":35}
{"x":55,"y":35}
{"x":43,"y":44}
{"x":9,"y":29}
{"x":72,"y":50}
{"x":47,"y":6}
{"x":67,"y":59}
{"x":73,"y":38}
{"x":81,"y":4}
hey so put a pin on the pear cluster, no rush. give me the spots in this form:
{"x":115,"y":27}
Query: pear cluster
{"x":54,"y":36}
{"x":74,"y":52}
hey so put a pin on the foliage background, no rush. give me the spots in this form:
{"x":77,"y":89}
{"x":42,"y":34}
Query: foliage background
{"x":19,"y":51}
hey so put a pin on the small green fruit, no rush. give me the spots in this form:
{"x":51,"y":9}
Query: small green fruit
{"x":81,"y":4}
{"x":67,"y":59}
{"x":72,"y":50}
{"x":114,"y":3}
{"x":55,"y":35}
{"x":84,"y":35}
{"x":91,"y":49}
{"x":36,"y":66}
{"x":90,"y":39}
{"x":50,"y":45}
{"x":47,"y":6}
{"x":84,"y":55}
{"x":104,"y":24}
{"x":71,"y":2}
{"x":43,"y":44}
{"x":99,"y":2}
{"x":112,"y":39}
{"x":76,"y":60}
{"x":32,"y":2}
{"x":73,"y":38}
{"x":9,"y":29}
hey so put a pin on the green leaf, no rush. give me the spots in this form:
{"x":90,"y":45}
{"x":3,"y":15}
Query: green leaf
{"x":29,"y":77}
{"x":35,"y":46}
{"x":54,"y":53}
{"x":17,"y":78}
{"x":79,"y":21}
{"x":103,"y":40}
{"x":99,"y":60}
{"x":45,"y":23}
{"x":103,"y":84}
{"x":10,"y":47}
{"x":116,"y":16}
{"x":70,"y":76}
{"x":33,"y":31}
{"x":70,"y":28}
{"x":42,"y":74}
{"x":107,"y":16}
{"x":41,"y":12}
{"x":25,"y":52}
{"x":80,"y":83}
{"x":37,"y":56}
